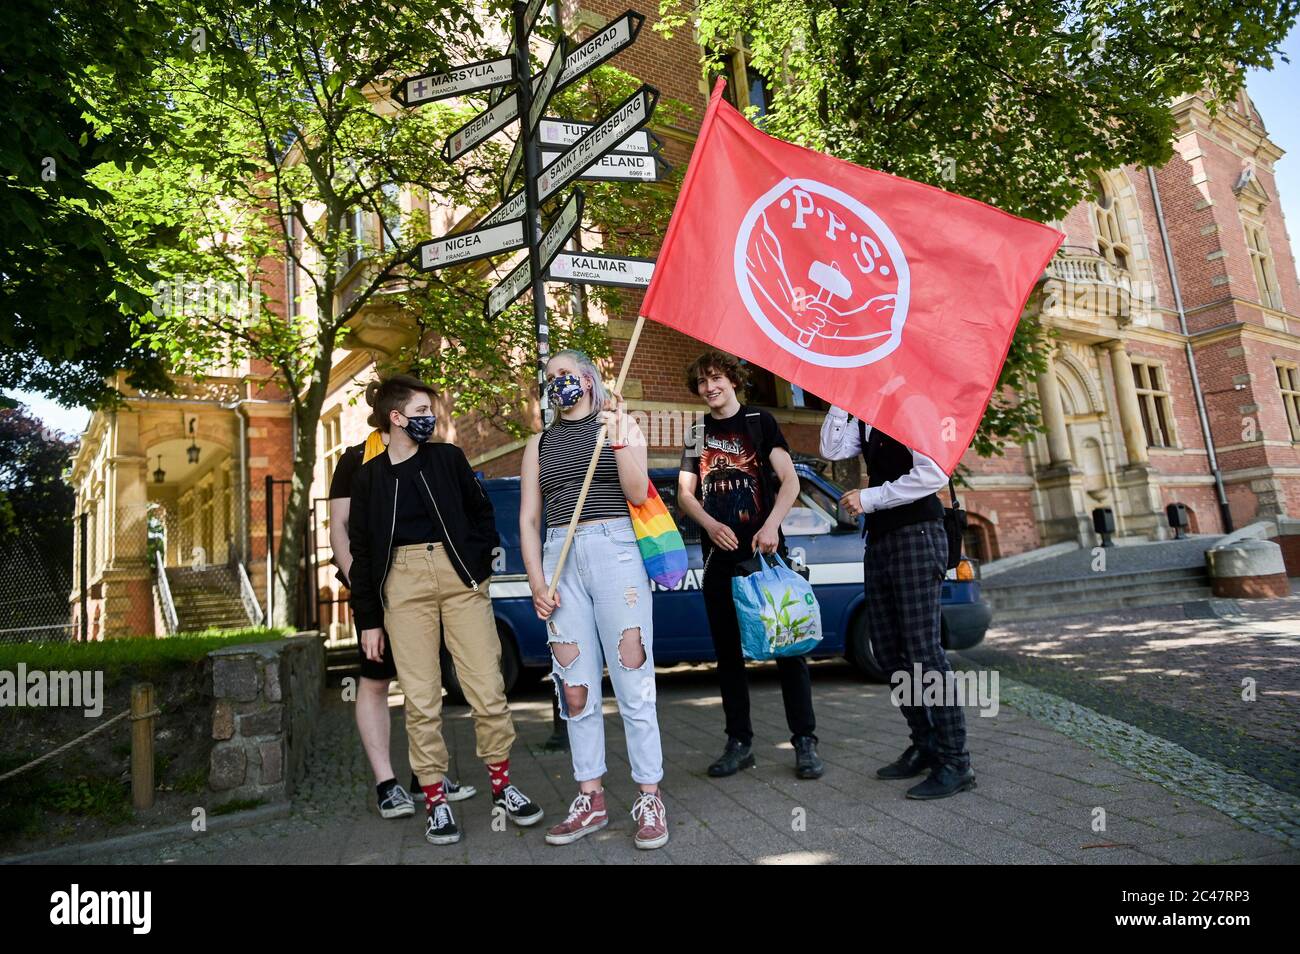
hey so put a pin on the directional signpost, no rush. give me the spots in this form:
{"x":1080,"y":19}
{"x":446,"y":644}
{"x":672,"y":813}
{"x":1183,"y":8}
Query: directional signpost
{"x":552,"y":152}
{"x":615,"y":148}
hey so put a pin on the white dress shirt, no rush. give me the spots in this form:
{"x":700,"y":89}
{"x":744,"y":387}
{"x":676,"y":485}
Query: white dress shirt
{"x":840,"y":441}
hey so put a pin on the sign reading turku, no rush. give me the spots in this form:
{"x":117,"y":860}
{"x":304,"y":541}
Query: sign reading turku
{"x":557,"y":152}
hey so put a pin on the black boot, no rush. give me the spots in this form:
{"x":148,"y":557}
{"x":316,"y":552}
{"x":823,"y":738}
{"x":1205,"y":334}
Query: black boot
{"x":910,"y":764}
{"x":807,"y":763}
{"x":736,"y":756}
{"x":945,"y":780}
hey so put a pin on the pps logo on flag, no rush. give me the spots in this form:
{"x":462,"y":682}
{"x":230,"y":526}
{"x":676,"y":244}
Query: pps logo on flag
{"x":822,"y":275}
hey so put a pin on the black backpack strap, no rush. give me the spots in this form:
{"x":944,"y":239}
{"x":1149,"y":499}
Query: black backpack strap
{"x":952,"y":494}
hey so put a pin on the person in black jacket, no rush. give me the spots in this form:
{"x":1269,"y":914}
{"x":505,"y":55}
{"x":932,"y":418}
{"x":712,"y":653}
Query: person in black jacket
{"x":903,"y":568}
{"x":422,"y":537}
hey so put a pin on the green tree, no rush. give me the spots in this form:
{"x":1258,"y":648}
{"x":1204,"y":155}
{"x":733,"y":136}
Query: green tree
{"x":36,"y":503}
{"x":283,"y":134}
{"x":1012,"y":103}
{"x":71,"y":79}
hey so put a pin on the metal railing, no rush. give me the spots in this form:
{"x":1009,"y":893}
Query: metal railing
{"x":249,"y":597}
{"x":165,"y":597}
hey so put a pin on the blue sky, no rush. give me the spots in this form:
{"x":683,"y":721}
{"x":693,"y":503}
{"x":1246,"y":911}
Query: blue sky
{"x":1276,"y":94}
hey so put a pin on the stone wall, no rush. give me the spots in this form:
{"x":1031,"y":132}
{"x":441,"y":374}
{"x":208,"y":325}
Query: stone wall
{"x":266,"y":697}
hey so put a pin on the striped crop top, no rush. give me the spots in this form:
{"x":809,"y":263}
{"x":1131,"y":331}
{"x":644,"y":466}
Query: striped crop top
{"x":563,"y":457}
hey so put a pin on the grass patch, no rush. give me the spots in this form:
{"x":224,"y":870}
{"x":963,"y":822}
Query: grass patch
{"x":114,"y":655}
{"x":92,"y":798}
{"x":237,"y":805}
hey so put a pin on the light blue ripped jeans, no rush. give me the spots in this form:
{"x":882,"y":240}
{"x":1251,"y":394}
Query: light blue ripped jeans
{"x":604,"y":591}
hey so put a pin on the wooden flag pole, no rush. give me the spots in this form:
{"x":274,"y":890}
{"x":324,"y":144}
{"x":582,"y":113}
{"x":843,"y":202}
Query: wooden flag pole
{"x":595,"y":458}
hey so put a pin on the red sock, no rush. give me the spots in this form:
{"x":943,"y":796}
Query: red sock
{"x":499,"y":775}
{"x":433,"y":794}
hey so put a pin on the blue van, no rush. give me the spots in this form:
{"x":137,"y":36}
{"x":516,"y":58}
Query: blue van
{"x":816,"y":535}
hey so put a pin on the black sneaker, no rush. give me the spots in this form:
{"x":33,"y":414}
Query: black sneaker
{"x":441,"y":828}
{"x":456,"y":792}
{"x":395,"y":802}
{"x":807,"y":763}
{"x":736,"y":756}
{"x":944,"y":781}
{"x":519,"y":807}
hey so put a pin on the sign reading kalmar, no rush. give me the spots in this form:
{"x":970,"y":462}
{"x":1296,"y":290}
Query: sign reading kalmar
{"x":584,"y":268}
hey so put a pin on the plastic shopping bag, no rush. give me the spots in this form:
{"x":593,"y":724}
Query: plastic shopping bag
{"x":777,"y":610}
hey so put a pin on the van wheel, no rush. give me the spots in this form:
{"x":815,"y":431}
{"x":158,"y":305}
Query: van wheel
{"x":860,"y":652}
{"x":510,"y":668}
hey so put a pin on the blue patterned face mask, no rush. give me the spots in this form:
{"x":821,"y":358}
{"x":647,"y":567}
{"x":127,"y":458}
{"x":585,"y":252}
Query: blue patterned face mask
{"x":565,"y":390}
{"x":420,"y":429}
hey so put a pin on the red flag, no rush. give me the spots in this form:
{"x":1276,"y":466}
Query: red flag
{"x":893,"y":299}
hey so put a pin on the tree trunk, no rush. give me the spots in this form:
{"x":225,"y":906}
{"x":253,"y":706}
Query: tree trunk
{"x":293,"y":533}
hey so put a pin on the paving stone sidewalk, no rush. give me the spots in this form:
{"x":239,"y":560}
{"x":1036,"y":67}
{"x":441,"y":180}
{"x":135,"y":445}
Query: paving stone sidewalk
{"x":1227,"y":689}
{"x":1036,"y":801}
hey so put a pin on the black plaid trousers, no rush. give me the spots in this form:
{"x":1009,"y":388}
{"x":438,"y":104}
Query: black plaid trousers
{"x":903,"y":573}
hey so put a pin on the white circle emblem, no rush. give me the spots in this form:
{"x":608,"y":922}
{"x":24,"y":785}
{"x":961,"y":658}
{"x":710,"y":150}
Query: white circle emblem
{"x":822,"y":275}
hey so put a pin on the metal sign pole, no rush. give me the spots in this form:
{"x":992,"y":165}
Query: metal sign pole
{"x":532,"y":211}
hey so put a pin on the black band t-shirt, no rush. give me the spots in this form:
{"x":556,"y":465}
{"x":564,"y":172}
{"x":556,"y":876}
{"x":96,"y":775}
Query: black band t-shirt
{"x":737,"y":486}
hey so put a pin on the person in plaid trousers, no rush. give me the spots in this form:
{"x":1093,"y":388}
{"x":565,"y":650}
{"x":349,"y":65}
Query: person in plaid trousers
{"x":904,"y":565}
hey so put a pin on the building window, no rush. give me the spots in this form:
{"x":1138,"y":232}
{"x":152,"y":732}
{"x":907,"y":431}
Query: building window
{"x":291,"y":289}
{"x":1153,"y":402}
{"x":767,"y":390}
{"x":390,"y":223}
{"x":746,"y":86}
{"x":332,"y":427}
{"x":1111,"y":241}
{"x":1288,"y":382}
{"x":355,"y":239}
{"x":1261,"y":260}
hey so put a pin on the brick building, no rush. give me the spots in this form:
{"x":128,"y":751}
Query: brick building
{"x":1123,"y":428}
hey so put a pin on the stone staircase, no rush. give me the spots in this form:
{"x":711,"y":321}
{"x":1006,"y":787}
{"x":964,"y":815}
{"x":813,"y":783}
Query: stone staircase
{"x":1062,"y":581}
{"x":207,"y":599}
{"x":1096,"y":593}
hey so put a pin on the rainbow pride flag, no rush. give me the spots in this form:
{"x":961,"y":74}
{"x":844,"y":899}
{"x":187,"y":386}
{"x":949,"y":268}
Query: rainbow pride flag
{"x":661,"y":545}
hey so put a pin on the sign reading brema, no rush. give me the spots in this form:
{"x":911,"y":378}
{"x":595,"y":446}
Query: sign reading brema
{"x":481,"y":127}
{"x":631,"y":115}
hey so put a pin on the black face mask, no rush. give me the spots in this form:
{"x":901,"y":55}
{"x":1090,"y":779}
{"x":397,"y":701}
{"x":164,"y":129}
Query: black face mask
{"x":420,"y":429}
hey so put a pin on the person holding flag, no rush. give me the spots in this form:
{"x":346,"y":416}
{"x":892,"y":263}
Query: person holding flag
{"x":599,"y":609}
{"x":737,"y":481}
{"x":903,"y":568}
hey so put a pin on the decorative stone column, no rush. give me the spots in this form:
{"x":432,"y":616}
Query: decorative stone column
{"x":1049,"y":398}
{"x":1130,"y":415}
